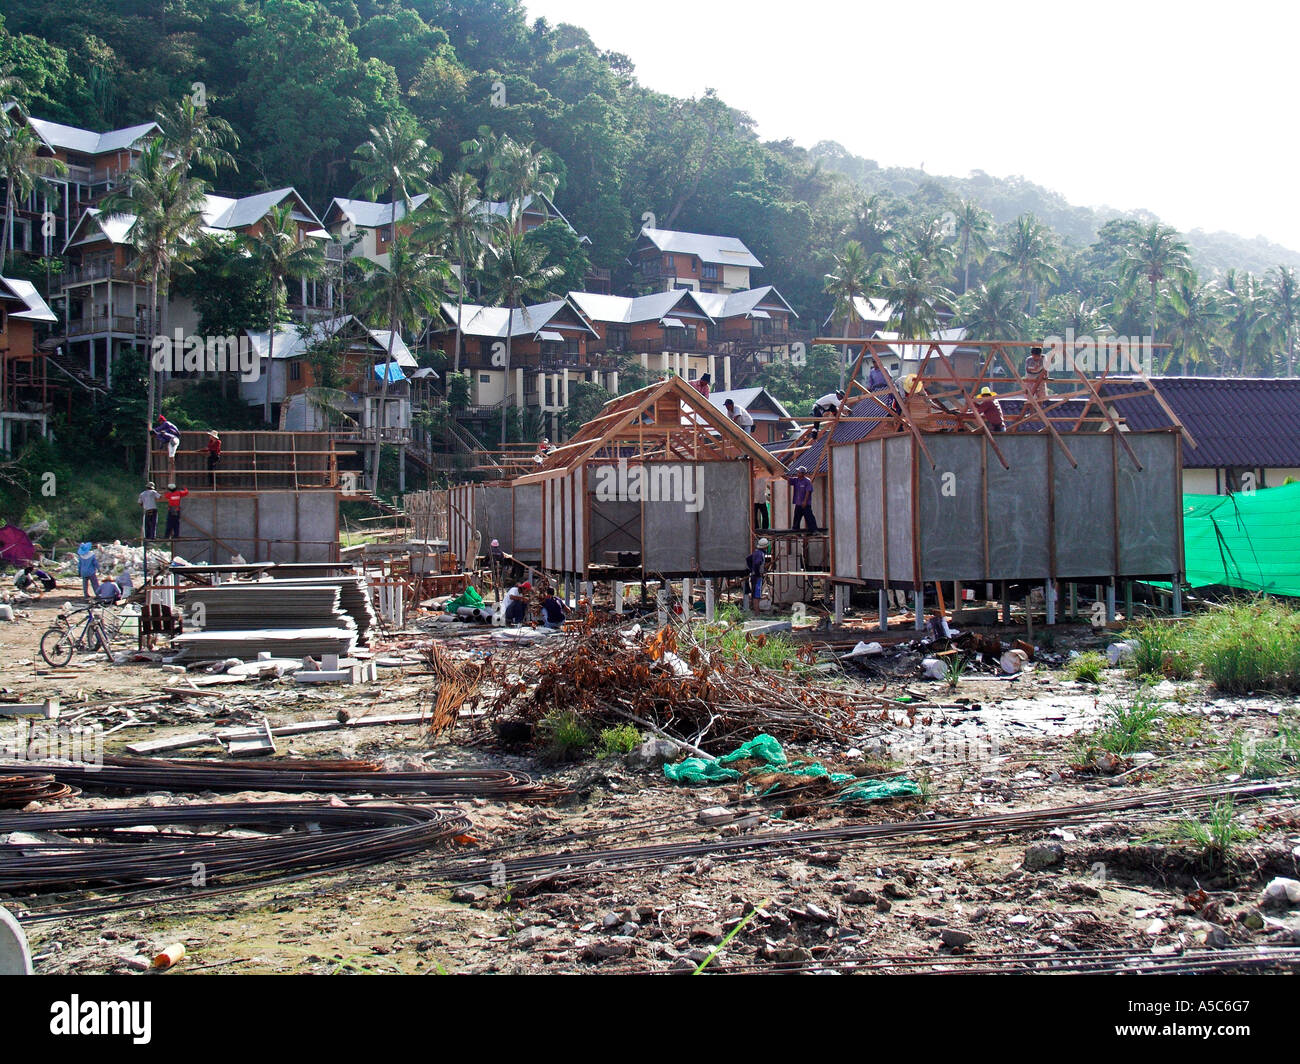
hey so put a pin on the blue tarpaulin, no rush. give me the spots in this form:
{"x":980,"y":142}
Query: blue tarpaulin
{"x":394,"y":372}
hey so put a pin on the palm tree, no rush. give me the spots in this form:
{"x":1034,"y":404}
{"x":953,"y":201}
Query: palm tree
{"x":520,"y":173}
{"x":457,"y":223}
{"x":929,"y":240}
{"x":1282,"y":299}
{"x":991,"y":313}
{"x":973,"y":224}
{"x":1245,"y":317}
{"x":1156,"y":255}
{"x":516,"y":274}
{"x":915,"y":296}
{"x":397,"y":161}
{"x":406,"y":292}
{"x":853,"y":278}
{"x":25,"y":171}
{"x":870,"y":224}
{"x":280,"y":253}
{"x":167,"y":215}
{"x":1196,"y":325}
{"x":193,"y":135}
{"x":1027,"y":258}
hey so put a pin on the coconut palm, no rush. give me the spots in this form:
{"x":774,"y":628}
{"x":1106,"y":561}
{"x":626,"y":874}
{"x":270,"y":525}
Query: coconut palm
{"x":281,"y":253}
{"x":1156,"y":256}
{"x":991,"y":312}
{"x":854,"y":277}
{"x":521,"y":173}
{"x":915,"y":297}
{"x":1282,"y":300}
{"x":456,"y":222}
{"x":167,"y":215}
{"x":395,"y":161}
{"x":1196,"y":324}
{"x":870,"y":224}
{"x":973,"y":224}
{"x":1245,"y":319}
{"x":25,"y":171}
{"x":194,"y":135}
{"x":517,"y":274}
{"x":407,"y":292}
{"x":1027,"y":257}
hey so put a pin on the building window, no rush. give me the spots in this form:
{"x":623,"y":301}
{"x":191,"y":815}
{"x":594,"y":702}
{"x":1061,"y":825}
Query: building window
{"x":295,"y":370}
{"x":710,"y":271}
{"x":485,"y":378}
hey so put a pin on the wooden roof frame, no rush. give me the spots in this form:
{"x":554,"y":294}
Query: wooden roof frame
{"x":620,"y":421}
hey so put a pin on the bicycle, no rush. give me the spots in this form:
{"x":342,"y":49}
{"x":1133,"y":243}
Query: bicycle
{"x":97,"y":632}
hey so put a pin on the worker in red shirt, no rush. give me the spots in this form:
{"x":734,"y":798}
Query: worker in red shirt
{"x":703,"y":385}
{"x":214,"y":449}
{"x":990,"y":409}
{"x":174,"y":498}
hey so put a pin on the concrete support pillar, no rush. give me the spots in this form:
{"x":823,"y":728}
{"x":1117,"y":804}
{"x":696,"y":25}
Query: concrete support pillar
{"x":618,"y":597}
{"x":708,"y":601}
{"x":1128,"y":600}
{"x":686,"y":598}
{"x":726,"y":370}
{"x":713,"y":369}
{"x":1177,"y":581}
{"x":841,"y":593}
{"x":1049,"y":597}
{"x":612,"y":378}
{"x":564,"y":384}
{"x":918,"y":609}
{"x":401,"y":469}
{"x":1006,"y":603}
{"x":1074,"y":601}
{"x":519,"y":387}
{"x":1110,"y":601}
{"x":882,"y":606}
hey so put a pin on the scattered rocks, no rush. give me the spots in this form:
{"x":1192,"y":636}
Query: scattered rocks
{"x":605,"y":951}
{"x":1044,"y":855}
{"x":1281,"y":893}
{"x":653,"y":754}
{"x":531,"y":936}
{"x":955,"y":938}
{"x":859,"y":896}
{"x":715,"y":815}
{"x":471,"y":894}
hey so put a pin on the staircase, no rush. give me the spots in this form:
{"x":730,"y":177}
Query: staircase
{"x":63,"y":368}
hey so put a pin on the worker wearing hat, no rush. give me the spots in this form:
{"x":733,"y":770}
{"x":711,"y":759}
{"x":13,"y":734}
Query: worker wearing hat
{"x":517,"y":603}
{"x":165,"y":432}
{"x":986,"y":402}
{"x":149,"y":503}
{"x":88,"y":570}
{"x":174,"y":498}
{"x":214,"y":449}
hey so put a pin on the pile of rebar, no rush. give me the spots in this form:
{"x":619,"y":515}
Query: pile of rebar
{"x":17,"y":790}
{"x":457,"y":682}
{"x":288,"y":777}
{"x":677,"y":685}
{"x":212,"y":845}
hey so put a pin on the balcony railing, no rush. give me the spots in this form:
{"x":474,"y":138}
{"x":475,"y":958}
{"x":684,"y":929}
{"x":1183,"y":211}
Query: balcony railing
{"x":108,"y":323}
{"x":99,"y":271}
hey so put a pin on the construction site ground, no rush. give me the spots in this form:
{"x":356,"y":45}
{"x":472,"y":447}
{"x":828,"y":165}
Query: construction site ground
{"x":1121,"y":884}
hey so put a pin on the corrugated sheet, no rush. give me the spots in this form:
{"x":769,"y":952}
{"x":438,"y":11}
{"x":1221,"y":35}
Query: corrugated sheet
{"x":1236,"y":421}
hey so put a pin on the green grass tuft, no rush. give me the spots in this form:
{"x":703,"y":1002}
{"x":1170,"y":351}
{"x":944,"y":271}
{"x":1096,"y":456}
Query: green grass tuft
{"x":615,"y":742}
{"x":1087,"y":668}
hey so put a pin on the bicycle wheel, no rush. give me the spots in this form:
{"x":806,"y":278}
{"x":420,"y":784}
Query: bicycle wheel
{"x":56,"y":647}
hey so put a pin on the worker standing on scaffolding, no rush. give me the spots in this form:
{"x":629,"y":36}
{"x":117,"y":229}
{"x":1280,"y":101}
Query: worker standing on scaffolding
{"x":827,"y":404}
{"x":174,"y":498}
{"x":149,"y":502}
{"x":214,"y":453}
{"x":990,"y":409}
{"x":168,"y":433}
{"x":1036,"y":373}
{"x":801,"y":489}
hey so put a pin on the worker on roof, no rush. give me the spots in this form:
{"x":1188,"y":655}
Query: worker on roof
{"x":762,"y":502}
{"x":739,"y":415}
{"x":801,"y":489}
{"x":986,"y":402}
{"x":1036,"y":373}
{"x":703,"y":385}
{"x":827,"y":404}
{"x":878,"y":381}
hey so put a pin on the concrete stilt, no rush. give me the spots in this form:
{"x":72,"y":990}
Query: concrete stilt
{"x":1128,"y":600}
{"x":708,"y":601}
{"x":686,"y":598}
{"x":618,"y":597}
{"x":918,"y":609}
{"x":882,"y":605}
{"x":1074,"y":601}
{"x":1006,"y":603}
{"x":1049,"y":596}
{"x":840,"y":595}
{"x":1177,"y":581}
{"x":1110,"y":601}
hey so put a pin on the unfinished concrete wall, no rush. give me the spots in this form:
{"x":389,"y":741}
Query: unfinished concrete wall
{"x":526,"y":522}
{"x":275,"y":526}
{"x":971,"y":518}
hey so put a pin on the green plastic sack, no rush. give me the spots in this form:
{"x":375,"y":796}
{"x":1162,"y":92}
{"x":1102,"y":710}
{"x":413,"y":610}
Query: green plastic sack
{"x":761,"y":748}
{"x":468,"y":597}
{"x":875,"y":790}
{"x":697,"y":770}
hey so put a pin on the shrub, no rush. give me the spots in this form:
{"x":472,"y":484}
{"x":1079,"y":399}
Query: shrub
{"x":565,"y":734}
{"x":1127,"y":727}
{"x":614,"y":742}
{"x":1087,"y":668}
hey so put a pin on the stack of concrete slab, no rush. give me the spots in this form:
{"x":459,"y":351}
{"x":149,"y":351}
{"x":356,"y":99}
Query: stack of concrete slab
{"x":241,"y":620}
{"x":354,"y":596}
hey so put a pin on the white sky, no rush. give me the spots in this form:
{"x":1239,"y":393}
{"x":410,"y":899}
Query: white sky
{"x":1185,"y":109}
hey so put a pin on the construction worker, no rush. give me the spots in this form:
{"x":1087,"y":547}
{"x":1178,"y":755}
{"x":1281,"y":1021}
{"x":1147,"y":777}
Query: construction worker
{"x":517,"y":603}
{"x":214,"y":449}
{"x":553,"y":611}
{"x":88,"y":570}
{"x":1036,"y":373}
{"x":739,"y":415}
{"x":827,"y":404}
{"x":755,"y":565}
{"x":166,"y":432}
{"x":801,"y":489}
{"x":703,"y":385}
{"x":761,"y":504}
{"x":174,"y":498}
{"x":986,"y":402}
{"x":149,"y":503}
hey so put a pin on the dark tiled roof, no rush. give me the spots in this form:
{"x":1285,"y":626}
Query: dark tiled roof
{"x":1236,"y":421}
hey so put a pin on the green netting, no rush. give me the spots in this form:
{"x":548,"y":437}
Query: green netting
{"x":1250,"y":541}
{"x":765,"y":748}
{"x":468,"y":597}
